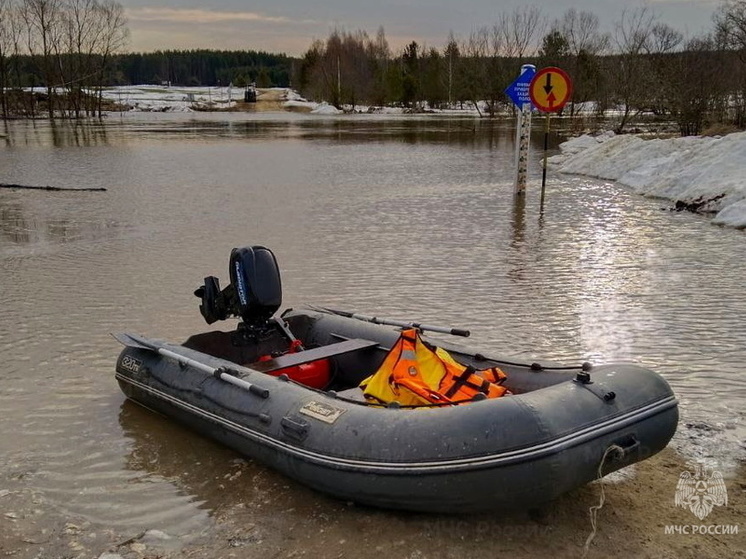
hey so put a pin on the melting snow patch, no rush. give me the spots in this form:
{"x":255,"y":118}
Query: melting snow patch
{"x":683,"y":169}
{"x":326,"y":109}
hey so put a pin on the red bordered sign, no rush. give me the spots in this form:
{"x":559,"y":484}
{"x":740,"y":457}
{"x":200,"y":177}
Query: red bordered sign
{"x":550,"y":89}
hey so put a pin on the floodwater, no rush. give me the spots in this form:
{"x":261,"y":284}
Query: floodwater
{"x":402,"y":217}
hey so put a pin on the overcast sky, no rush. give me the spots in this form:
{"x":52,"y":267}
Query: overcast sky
{"x":289,"y":26}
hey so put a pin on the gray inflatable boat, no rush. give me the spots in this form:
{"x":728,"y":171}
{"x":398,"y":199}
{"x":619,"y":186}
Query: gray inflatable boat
{"x":302,"y":412}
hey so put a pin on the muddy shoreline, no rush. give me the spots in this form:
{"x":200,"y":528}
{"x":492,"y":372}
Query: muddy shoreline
{"x":298,"y":522}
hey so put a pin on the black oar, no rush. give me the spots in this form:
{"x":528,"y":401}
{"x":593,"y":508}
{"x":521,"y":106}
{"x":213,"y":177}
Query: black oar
{"x":222,"y":373}
{"x":400,"y":323}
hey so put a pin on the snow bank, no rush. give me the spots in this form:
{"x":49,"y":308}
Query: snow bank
{"x":326,"y":109}
{"x":692,"y":169}
{"x":293,"y":99}
{"x":152,"y":98}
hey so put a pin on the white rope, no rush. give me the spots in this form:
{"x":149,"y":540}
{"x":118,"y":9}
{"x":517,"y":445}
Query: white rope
{"x":595,"y":508}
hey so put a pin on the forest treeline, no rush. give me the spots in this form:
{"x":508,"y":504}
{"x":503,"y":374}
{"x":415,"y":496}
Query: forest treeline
{"x":178,"y":67}
{"x":74,"y":48}
{"x":645,"y":66}
{"x":201,"y":67}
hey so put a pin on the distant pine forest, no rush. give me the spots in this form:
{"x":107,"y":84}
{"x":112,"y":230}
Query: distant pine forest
{"x":175,"y":67}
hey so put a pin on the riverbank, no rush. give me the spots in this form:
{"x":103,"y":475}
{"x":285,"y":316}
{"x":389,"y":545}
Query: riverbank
{"x":702,"y":174}
{"x":632,"y":523}
{"x":638,"y":519}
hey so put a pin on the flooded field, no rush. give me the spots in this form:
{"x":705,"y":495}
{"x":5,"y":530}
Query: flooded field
{"x":404,"y":217}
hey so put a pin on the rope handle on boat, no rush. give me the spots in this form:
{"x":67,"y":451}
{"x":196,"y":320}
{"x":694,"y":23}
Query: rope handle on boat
{"x":537,"y":367}
{"x":618,"y":452}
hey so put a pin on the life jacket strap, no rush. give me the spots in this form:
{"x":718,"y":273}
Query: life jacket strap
{"x":464,"y":379}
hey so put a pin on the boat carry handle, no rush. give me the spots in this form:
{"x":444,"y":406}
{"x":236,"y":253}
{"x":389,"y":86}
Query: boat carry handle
{"x":294,"y":428}
{"x":627,"y":446}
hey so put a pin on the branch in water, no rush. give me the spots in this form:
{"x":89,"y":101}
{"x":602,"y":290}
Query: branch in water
{"x":53,"y":188}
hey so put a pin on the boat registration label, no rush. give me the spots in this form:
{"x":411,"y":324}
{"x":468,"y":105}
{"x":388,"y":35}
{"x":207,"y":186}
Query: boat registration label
{"x":322,"y":412}
{"x":131,"y":364}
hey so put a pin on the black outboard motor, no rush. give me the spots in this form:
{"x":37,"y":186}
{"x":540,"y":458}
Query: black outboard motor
{"x":255,"y":291}
{"x":254,"y":295}
{"x":256,"y":277}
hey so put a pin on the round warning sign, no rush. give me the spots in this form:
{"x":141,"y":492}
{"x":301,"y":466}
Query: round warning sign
{"x":550,"y":89}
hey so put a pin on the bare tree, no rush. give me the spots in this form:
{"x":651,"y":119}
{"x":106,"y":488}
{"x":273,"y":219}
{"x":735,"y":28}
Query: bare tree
{"x":730,"y":29}
{"x":380,"y":55}
{"x":451,"y":55}
{"x":494,"y":70}
{"x":475,"y":50}
{"x":42,"y":18}
{"x":664,"y":42}
{"x":341,"y":69}
{"x":513,"y":36}
{"x":355,"y":71}
{"x":664,"y":39}
{"x":112,"y":35}
{"x":581,"y":29}
{"x":585,"y":43}
{"x":310,"y":72}
{"x":631,"y":79}
{"x":730,"y":23}
{"x":6,"y":46}
{"x":13,"y":22}
{"x":81,"y":33}
{"x":520,"y":30}
{"x":694,"y":84}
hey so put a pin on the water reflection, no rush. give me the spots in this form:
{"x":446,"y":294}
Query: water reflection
{"x":518,"y":221}
{"x":33,"y":217}
{"x":78,"y":133}
{"x":266,"y":513}
{"x":347,"y":129}
{"x":13,"y":224}
{"x":58,"y":133}
{"x":213,"y":476}
{"x":517,"y":255}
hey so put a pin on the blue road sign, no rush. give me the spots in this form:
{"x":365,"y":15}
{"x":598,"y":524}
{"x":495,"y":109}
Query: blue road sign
{"x":518,"y":91}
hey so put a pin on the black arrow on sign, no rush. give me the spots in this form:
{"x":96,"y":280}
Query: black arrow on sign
{"x":548,"y":87}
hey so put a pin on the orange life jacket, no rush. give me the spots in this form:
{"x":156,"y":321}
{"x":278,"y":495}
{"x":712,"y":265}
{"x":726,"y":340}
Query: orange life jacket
{"x":415,"y":373}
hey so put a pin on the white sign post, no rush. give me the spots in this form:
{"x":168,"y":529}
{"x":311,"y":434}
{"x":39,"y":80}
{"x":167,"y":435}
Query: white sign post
{"x":523,"y":135}
{"x":518,"y":92}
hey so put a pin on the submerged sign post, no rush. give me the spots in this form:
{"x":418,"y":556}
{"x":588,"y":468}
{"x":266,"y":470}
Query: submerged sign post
{"x":519,"y":93}
{"x":550,"y":89}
